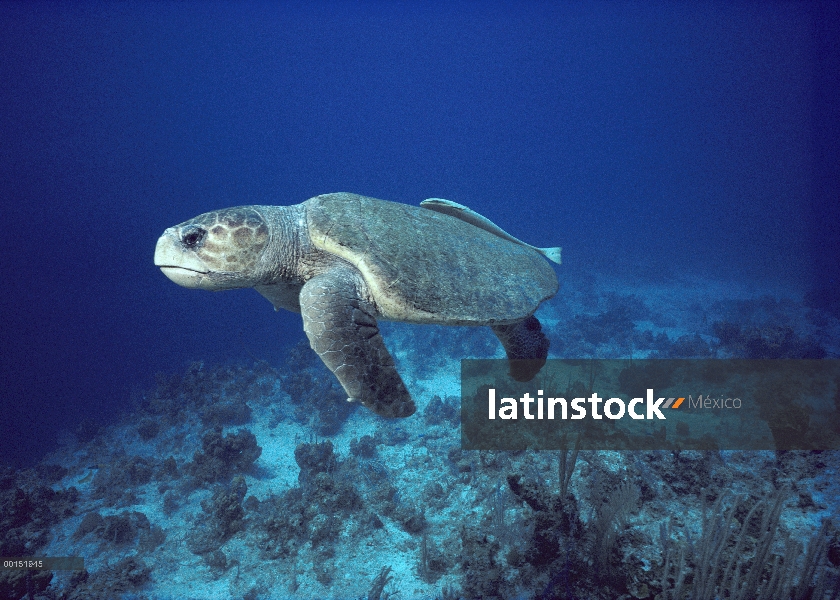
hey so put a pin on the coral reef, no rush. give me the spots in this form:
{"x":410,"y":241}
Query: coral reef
{"x":129,"y":528}
{"x":219,"y":394}
{"x":178,"y":501}
{"x":27,"y":513}
{"x":438,"y":411}
{"x":127,"y":575}
{"x":352,"y":496}
{"x":686,"y":346}
{"x":23,"y":584}
{"x":231,"y":412}
{"x":363,"y":447}
{"x":772,"y":341}
{"x":318,"y":398}
{"x":223,"y":456}
{"x":148,"y":429}
{"x":116,"y":483}
{"x":222,"y":516}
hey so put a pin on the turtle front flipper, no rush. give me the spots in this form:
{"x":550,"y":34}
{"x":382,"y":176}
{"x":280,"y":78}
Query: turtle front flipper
{"x":526,"y":347}
{"x":342,"y":329}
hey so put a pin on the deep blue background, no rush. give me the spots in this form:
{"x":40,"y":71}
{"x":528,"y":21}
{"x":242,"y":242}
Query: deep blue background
{"x":645,"y":138}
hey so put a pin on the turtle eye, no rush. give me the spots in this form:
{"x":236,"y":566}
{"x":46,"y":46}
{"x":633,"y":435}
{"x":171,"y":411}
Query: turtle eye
{"x":192,"y":236}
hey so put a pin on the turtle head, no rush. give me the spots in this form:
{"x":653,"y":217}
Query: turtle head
{"x":219,"y":250}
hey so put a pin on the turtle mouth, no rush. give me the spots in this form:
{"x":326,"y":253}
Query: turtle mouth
{"x":167,"y":269}
{"x":186,"y":277}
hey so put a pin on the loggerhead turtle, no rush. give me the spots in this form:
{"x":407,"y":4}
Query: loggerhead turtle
{"x":343,"y":261}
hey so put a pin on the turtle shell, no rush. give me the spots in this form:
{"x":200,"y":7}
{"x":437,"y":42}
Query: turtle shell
{"x":422,"y":266}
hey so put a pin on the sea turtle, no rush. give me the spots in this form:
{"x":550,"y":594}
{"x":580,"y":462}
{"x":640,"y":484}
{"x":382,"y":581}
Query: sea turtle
{"x":343,"y":261}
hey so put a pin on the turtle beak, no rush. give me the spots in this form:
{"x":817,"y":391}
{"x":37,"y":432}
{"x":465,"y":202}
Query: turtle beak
{"x":179,"y":263}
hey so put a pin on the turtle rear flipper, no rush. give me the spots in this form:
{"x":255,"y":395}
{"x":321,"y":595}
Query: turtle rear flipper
{"x":343,"y":331}
{"x":526,"y":347}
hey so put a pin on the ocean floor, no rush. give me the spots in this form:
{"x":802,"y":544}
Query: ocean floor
{"x":261,"y":481}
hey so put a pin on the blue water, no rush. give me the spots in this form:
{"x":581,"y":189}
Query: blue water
{"x":676,"y":137}
{"x":667,"y":143}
